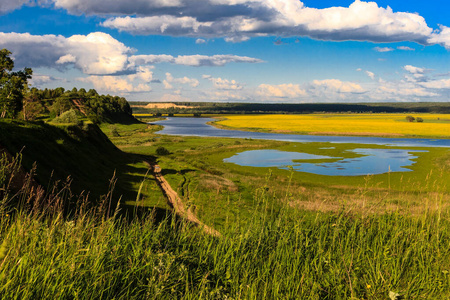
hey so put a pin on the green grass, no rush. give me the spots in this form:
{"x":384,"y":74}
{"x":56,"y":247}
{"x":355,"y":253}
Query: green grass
{"x":279,"y":253}
{"x":224,"y":193}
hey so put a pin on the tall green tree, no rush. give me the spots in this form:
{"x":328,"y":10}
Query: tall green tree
{"x":12,"y":85}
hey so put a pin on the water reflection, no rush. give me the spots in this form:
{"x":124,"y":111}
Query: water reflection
{"x":198,"y":127}
{"x":369,"y":161}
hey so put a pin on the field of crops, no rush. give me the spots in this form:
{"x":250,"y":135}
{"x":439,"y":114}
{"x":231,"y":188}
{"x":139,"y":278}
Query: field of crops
{"x":433,"y":125}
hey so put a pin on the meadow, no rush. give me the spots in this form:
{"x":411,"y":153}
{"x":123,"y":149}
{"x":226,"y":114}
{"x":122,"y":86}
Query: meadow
{"x":223,"y":193}
{"x":285,"y":234}
{"x":385,"y":125}
{"x":276,"y":253}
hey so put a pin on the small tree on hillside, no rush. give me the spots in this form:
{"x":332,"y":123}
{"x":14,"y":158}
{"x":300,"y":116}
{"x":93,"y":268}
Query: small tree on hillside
{"x":419,"y":120}
{"x":12,"y":85}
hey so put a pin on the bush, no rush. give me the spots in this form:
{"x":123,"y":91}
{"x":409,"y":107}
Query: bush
{"x":162,"y":151}
{"x":114,"y":132}
{"x":419,"y":120}
{"x":410,"y":118}
{"x":69,"y":117}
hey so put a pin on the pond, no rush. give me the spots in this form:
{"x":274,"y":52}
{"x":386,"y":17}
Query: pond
{"x":368,"y":162}
{"x":198,"y":127}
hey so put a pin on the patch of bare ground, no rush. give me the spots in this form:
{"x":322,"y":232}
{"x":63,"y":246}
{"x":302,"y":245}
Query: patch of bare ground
{"x":163,"y":105}
{"x":177,"y":204}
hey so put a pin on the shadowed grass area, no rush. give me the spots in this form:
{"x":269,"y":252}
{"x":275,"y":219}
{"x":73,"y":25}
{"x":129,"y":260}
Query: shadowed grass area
{"x":82,"y":156}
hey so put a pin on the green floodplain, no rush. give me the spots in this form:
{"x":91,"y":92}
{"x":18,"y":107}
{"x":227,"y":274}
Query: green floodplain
{"x":285,"y":234}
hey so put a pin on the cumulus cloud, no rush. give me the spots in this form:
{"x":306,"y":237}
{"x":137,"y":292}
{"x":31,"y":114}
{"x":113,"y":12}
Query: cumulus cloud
{"x":437,"y":84}
{"x":281,"y":91}
{"x":200,"y":41}
{"x":240,"y":20}
{"x":339,"y":86}
{"x":441,"y":37}
{"x":405,"y":91}
{"x":414,"y":70}
{"x":115,"y":84}
{"x":95,"y":54}
{"x":223,"y":84}
{"x":39,"y":80}
{"x":183,"y":80}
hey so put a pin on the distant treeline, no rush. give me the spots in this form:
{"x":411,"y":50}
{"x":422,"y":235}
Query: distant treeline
{"x":258,"y":108}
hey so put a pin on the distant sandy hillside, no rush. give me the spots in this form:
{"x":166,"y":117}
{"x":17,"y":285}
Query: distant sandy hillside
{"x":162,"y":105}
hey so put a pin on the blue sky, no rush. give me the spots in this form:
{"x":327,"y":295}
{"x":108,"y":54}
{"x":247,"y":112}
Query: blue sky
{"x":284,"y":51}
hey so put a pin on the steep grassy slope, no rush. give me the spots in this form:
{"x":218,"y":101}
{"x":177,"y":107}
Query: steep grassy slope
{"x":82,"y":152}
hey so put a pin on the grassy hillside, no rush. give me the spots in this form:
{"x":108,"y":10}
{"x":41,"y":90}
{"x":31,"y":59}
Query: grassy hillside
{"x":82,"y":153}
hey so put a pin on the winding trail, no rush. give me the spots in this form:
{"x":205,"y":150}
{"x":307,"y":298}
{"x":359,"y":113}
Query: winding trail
{"x":177,"y":204}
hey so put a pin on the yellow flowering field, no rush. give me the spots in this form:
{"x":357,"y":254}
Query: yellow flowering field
{"x":433,"y":125}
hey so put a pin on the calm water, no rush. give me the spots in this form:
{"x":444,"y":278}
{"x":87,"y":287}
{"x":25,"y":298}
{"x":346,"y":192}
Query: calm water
{"x":198,"y":127}
{"x":371,"y":161}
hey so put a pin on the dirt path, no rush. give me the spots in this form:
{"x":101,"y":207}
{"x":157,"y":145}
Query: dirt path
{"x":176,"y":203}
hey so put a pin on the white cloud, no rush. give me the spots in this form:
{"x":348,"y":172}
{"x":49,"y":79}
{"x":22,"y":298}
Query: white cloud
{"x":370,"y":74}
{"x":143,"y":73}
{"x":183,"y":80}
{"x":200,"y":41}
{"x":239,"y":20}
{"x":192,"y":60}
{"x":224,"y":84}
{"x":39,"y":80}
{"x":96,"y":53}
{"x":68,"y":58}
{"x":214,"y":60}
{"x":167,"y":85}
{"x":414,"y":70}
{"x":441,"y":37}
{"x":406,"y":91}
{"x":405,"y":48}
{"x":339,"y":86}
{"x":281,"y":91}
{"x":115,"y":84}
{"x":173,"y":98}
{"x":383,"y":49}
{"x":436,"y":84}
